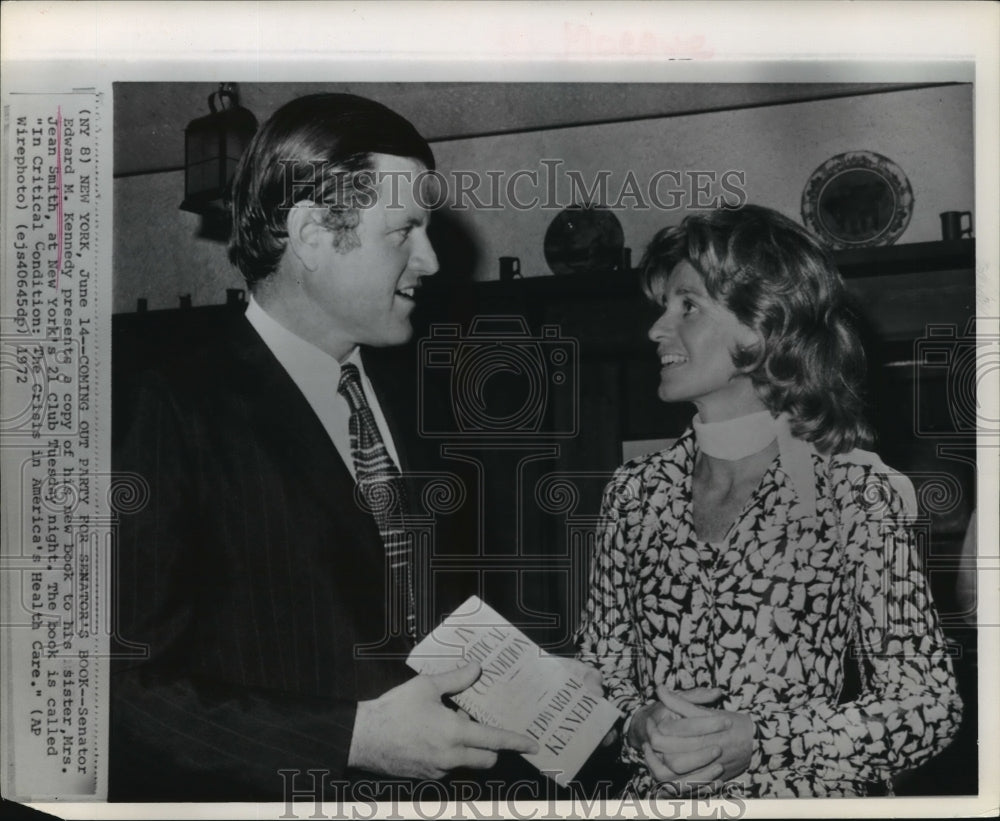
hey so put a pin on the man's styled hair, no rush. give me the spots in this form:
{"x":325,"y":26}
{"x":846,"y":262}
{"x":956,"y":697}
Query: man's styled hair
{"x":781,"y":282}
{"x":317,"y":148}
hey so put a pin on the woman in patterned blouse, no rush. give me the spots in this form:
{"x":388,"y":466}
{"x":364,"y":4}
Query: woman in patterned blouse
{"x":737,"y":569}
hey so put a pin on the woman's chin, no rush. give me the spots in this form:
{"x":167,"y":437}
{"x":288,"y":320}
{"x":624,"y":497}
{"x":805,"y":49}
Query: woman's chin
{"x":668,"y":394}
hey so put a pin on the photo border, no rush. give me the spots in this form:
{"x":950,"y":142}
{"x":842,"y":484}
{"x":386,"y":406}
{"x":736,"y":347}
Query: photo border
{"x":57,"y":47}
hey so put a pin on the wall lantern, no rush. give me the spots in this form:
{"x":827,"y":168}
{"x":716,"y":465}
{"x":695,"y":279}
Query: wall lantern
{"x":213,"y":146}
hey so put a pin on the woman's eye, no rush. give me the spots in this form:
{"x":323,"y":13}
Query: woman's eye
{"x":687,"y":306}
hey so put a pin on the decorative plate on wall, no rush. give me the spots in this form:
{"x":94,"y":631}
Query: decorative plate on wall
{"x":582,"y":239}
{"x":858,"y":199}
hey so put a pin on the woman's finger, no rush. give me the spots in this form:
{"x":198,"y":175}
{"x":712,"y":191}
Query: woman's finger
{"x":666,"y":789}
{"x":701,"y":695}
{"x":657,"y":767}
{"x":691,"y":762}
{"x":703,"y":781}
{"x":679,"y":704}
{"x":683,"y":763}
{"x":667,"y":743}
{"x":692,"y":727}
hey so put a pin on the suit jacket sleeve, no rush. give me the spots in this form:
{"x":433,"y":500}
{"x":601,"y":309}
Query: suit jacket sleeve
{"x":176,"y":732}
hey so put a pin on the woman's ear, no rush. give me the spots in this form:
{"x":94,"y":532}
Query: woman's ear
{"x":751,"y":338}
{"x":750,"y":347}
{"x":307,"y":233}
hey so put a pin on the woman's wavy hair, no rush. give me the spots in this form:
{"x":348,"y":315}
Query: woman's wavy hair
{"x":318,"y":147}
{"x":781,"y":282}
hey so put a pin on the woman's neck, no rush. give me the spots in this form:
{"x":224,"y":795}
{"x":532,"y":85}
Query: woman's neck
{"x":735,"y":451}
{"x":720,"y":489}
{"x":723,"y":473}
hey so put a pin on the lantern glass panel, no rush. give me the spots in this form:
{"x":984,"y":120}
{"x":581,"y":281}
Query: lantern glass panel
{"x":213,"y":147}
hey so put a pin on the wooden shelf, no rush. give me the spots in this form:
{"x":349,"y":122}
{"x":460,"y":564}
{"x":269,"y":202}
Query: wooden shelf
{"x":913,"y":258}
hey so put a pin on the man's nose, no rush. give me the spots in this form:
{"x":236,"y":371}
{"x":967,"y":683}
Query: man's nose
{"x":423,"y":258}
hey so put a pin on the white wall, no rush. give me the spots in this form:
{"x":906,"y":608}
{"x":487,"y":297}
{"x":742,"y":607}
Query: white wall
{"x":157,"y":252}
{"x":928,"y":133}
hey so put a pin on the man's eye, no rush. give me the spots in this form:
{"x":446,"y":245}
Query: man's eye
{"x":688,"y":306}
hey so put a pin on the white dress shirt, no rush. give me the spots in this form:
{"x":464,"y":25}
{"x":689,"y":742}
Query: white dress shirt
{"x":317,"y":375}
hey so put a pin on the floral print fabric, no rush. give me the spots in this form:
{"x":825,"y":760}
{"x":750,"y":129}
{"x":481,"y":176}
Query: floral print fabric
{"x":769,"y":615}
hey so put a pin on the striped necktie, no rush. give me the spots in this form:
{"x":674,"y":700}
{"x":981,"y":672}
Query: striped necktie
{"x":384,"y":492}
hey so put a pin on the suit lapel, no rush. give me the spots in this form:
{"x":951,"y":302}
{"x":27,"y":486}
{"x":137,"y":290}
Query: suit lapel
{"x":281,"y":414}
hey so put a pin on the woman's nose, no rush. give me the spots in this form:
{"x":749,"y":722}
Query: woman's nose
{"x":661,"y":329}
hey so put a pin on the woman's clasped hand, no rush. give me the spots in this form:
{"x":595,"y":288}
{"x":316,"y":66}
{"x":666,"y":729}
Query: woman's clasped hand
{"x":688,"y":745}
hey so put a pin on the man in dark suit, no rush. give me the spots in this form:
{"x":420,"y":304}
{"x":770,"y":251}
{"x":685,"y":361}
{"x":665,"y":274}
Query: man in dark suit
{"x":260,"y":632}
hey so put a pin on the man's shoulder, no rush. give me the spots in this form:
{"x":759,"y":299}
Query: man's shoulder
{"x":196,"y":350}
{"x":195,"y":368}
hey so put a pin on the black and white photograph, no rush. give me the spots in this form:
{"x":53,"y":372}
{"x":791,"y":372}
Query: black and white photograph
{"x":595,"y":441}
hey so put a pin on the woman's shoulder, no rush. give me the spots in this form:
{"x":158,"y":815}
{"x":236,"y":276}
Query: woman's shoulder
{"x":667,"y":463}
{"x":643,"y":474}
{"x":861,"y":481}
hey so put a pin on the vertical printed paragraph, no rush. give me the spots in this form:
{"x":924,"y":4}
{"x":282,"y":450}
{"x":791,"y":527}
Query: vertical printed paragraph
{"x":56,"y":519}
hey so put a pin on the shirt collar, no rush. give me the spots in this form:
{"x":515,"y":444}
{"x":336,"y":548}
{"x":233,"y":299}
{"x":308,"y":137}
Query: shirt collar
{"x":295,"y":354}
{"x":795,"y":460}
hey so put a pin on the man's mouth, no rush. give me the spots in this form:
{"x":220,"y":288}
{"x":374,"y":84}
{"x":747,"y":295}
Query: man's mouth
{"x":670,"y":359}
{"x":407,"y":293}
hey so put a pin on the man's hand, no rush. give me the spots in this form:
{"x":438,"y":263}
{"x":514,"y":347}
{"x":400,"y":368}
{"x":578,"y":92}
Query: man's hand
{"x":689,"y":745}
{"x":408,"y":732}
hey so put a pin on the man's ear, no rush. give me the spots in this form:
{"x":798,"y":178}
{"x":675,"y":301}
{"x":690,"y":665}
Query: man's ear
{"x":307,"y":235}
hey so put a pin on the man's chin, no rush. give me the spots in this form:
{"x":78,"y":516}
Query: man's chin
{"x":399,"y":336}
